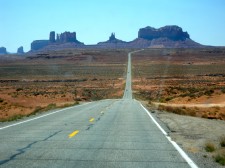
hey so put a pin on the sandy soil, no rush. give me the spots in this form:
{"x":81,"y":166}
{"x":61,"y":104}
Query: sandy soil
{"x":191,"y":80}
{"x":214,"y":100}
{"x":22,"y":98}
{"x":61,"y":78}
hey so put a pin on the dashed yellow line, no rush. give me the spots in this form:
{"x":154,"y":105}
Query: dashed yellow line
{"x":73,"y":133}
{"x":92,"y":119}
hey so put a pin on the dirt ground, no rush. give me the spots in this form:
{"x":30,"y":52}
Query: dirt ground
{"x":183,"y":81}
{"x":40,"y":81}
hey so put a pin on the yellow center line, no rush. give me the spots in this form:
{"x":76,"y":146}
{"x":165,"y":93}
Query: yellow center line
{"x":92,"y":119}
{"x":73,"y":133}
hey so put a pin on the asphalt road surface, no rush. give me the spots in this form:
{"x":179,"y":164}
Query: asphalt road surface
{"x":109,"y":133}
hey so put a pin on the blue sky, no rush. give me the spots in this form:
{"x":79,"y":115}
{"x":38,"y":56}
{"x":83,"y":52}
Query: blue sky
{"x":23,"y":21}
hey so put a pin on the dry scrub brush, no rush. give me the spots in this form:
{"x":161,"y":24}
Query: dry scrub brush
{"x":220,"y":157}
{"x":210,"y":147}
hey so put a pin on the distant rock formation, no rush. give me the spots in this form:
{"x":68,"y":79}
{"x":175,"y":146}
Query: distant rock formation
{"x":20,"y":50}
{"x":3,"y":50}
{"x":171,"y":32}
{"x":148,"y":37}
{"x":164,"y":37}
{"x":112,"y":37}
{"x":112,"y":42}
{"x":52,"y":37}
{"x":163,"y":43}
{"x":67,"y":37}
{"x":39,"y":44}
{"x":61,"y":39}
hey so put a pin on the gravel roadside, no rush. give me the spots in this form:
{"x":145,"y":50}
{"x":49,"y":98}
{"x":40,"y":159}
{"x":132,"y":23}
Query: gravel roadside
{"x":192,"y":133}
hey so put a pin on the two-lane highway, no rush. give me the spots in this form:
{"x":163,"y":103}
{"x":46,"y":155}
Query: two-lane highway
{"x":102,"y":134}
{"x":128,"y":88}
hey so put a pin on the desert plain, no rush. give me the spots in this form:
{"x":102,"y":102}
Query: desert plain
{"x":183,"y":81}
{"x":183,"y":88}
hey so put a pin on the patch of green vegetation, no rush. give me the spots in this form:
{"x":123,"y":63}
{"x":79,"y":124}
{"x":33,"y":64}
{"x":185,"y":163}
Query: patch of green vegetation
{"x":41,"y":109}
{"x":210,"y":147}
{"x":222,"y":141}
{"x":19,"y":89}
{"x":50,"y":107}
{"x":12,"y":118}
{"x":1,"y":100}
{"x":223,"y":90}
{"x":193,"y":90}
{"x":220,"y":158}
{"x":169,"y":98}
{"x":37,"y":110}
{"x":209,"y":92}
{"x":162,"y":100}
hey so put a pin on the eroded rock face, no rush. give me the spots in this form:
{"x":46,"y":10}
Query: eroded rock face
{"x":112,"y":40}
{"x":52,"y":37}
{"x":112,"y":37}
{"x":67,"y":37}
{"x":61,"y":39}
{"x":164,"y":37}
{"x":171,"y":32}
{"x":3,"y":50}
{"x":39,"y":44}
{"x":20,"y":50}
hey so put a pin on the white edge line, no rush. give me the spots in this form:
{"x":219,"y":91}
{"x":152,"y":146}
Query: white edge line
{"x":177,"y":147}
{"x":41,"y":116}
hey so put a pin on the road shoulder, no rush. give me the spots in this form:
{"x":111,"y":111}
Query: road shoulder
{"x":192,"y":133}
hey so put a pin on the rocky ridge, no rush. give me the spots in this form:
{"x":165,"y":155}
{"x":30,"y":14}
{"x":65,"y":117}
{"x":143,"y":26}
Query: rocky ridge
{"x":174,"y":33}
{"x":61,"y":39}
{"x":148,"y":37}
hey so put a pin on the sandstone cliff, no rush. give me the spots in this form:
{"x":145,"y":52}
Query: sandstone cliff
{"x":61,"y":39}
{"x":148,"y":37}
{"x":39,"y":44}
{"x":171,"y":32}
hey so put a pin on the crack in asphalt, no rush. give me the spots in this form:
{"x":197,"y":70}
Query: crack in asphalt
{"x":23,"y":150}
